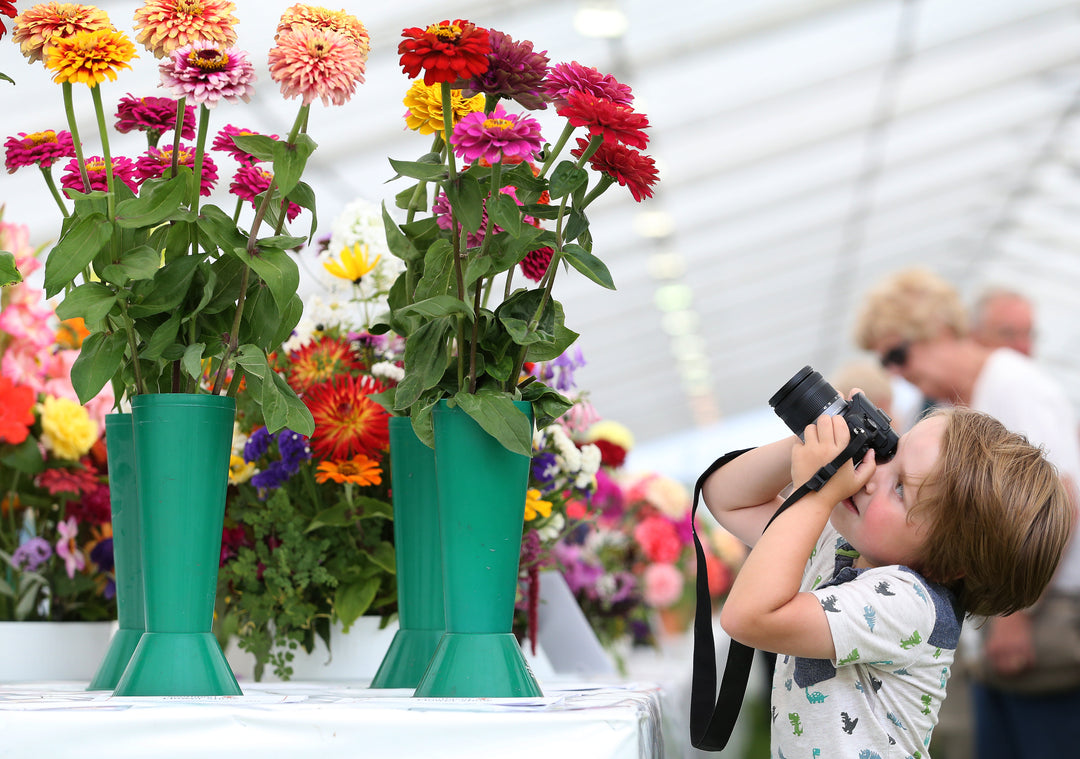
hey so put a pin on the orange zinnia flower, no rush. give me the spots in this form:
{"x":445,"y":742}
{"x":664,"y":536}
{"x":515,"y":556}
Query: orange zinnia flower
{"x":359,"y":470}
{"x":35,"y":27}
{"x":165,"y":25}
{"x":89,"y":57}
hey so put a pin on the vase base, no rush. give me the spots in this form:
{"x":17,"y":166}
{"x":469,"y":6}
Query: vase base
{"x":122,"y":646}
{"x":478,"y":665}
{"x":407,"y":658}
{"x":178,"y":664}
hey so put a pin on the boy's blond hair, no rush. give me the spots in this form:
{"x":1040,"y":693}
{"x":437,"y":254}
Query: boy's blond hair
{"x":912,"y":304}
{"x":999,"y":516}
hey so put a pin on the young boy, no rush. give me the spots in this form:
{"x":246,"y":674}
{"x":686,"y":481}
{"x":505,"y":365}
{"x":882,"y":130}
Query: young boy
{"x":967,"y":518}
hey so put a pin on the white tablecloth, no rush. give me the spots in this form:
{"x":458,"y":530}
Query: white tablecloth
{"x":330,"y":721}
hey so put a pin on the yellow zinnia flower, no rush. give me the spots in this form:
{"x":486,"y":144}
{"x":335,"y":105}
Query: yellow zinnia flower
{"x":240,"y":471}
{"x":353,"y":264}
{"x":535,"y":506}
{"x":67,"y":429}
{"x":425,"y":114}
{"x":89,"y":57}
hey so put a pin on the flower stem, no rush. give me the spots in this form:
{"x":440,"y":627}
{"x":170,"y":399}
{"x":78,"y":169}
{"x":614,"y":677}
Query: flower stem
{"x":69,"y":109}
{"x":51,"y":183}
{"x":180,"y":112}
{"x":110,"y":179}
{"x":455,"y":233}
{"x":549,"y":159}
{"x":200,"y":150}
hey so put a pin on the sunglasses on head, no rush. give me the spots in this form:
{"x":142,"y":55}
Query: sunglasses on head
{"x":896,"y":356}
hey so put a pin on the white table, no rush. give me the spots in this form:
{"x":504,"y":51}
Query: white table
{"x":330,"y":721}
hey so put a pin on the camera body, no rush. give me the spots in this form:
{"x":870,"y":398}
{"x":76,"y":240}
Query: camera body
{"x":807,"y":395}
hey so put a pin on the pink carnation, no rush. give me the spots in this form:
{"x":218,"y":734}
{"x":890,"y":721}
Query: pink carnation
{"x":659,"y":539}
{"x":663,"y":585}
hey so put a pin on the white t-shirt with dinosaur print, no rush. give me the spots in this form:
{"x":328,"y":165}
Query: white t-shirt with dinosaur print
{"x":895,"y":635}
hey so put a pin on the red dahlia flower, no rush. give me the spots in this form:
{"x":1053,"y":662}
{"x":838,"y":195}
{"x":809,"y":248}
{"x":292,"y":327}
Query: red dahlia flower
{"x":445,"y":52}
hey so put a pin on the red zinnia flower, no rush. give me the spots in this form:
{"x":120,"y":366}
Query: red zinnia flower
{"x":347,"y":421}
{"x":123,"y":169}
{"x":7,"y":8}
{"x":321,"y":360}
{"x":616,"y":122}
{"x":16,"y":411}
{"x":37,"y":149}
{"x":446,"y":52}
{"x":156,"y":161}
{"x":535,"y":264}
{"x":626,"y":166}
{"x":153,"y":115}
{"x":76,"y":480}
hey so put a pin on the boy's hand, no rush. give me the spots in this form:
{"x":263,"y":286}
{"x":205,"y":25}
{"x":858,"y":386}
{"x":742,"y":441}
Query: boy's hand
{"x":823,"y":441}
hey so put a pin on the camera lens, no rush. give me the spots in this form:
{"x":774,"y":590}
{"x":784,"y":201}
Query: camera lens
{"x":804,"y":398}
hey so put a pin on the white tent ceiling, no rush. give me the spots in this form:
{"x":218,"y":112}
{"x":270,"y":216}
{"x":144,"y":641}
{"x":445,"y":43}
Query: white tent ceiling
{"x":806,"y":148}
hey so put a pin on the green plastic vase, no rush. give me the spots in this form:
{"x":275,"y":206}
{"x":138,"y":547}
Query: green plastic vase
{"x":418,"y":558}
{"x":182,"y":447}
{"x":482,"y":488}
{"x":127,"y":563}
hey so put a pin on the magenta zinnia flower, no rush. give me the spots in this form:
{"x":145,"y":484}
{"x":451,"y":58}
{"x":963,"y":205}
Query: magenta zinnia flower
{"x":535,"y":264}
{"x":496,"y":137}
{"x":564,"y":78}
{"x":251,"y":181}
{"x":224,"y":142}
{"x":123,"y":169}
{"x":626,"y":166}
{"x":154,"y":116}
{"x":615,"y":122}
{"x":315,"y":63}
{"x":515,"y":72}
{"x":441,"y":211}
{"x":156,"y":161}
{"x":40,"y":149}
{"x":205,"y":72}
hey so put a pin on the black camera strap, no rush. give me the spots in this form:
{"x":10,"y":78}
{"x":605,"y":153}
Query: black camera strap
{"x":713,"y":715}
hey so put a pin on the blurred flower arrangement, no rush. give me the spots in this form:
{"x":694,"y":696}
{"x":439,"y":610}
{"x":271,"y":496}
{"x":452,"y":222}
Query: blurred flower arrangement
{"x":165,"y":283}
{"x":514,"y":201}
{"x":308,"y":538}
{"x":56,"y":557}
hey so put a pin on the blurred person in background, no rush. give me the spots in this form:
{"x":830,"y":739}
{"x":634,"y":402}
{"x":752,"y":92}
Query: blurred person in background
{"x":1003,"y":318}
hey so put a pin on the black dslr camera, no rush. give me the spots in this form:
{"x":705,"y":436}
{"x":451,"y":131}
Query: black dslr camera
{"x":807,"y":395}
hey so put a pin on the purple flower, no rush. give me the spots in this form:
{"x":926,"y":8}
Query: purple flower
{"x":515,"y":71}
{"x":545,"y":467}
{"x":31,"y":554}
{"x":294,"y":449}
{"x":274,"y":476}
{"x":257,"y":445}
{"x":564,"y":367}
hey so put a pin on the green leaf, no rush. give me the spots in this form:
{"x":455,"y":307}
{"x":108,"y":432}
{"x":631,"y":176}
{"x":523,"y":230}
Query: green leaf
{"x":425,"y":170}
{"x":589,"y":265}
{"x":25,"y":457}
{"x":335,"y":516}
{"x":91,"y":301}
{"x":496,"y":413}
{"x":164,"y":336}
{"x":277,"y":269}
{"x":427,"y":352}
{"x":517,"y":311}
{"x":75,"y":251}
{"x":439,"y":305}
{"x":162,"y":202}
{"x":548,"y":403}
{"x":467,"y":200}
{"x":566,"y":178}
{"x":353,"y":599}
{"x":191,"y":363}
{"x":400,"y":245}
{"x":139,"y":263}
{"x":505,"y":212}
{"x":438,"y":270}
{"x":280,"y":406}
{"x":220,"y":229}
{"x":304,"y":197}
{"x":285,"y":242}
{"x":383,"y":557}
{"x":259,"y":145}
{"x":9,"y":273}
{"x":289,"y":161}
{"x":576,"y":224}
{"x":169,"y":288}
{"x":373,"y":508}
{"x":98,"y":361}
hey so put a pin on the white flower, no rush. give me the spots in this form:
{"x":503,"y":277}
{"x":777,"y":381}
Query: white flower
{"x":590,"y":459}
{"x":553,"y":529}
{"x":388,"y":371}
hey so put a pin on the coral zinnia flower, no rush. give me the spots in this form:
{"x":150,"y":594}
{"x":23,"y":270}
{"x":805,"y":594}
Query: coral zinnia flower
{"x":515,"y":72}
{"x":564,"y":78}
{"x":497,"y":137}
{"x":321,"y":360}
{"x":626,"y":166}
{"x":37,"y":149}
{"x":156,"y":161}
{"x":613,"y":121}
{"x":354,"y":263}
{"x":123,"y":169}
{"x":347,"y":421}
{"x":224,"y":142}
{"x":251,"y":181}
{"x":359,"y":470}
{"x":165,"y":25}
{"x":316,"y":63}
{"x":89,"y":57}
{"x":16,"y":411}
{"x":445,"y":52}
{"x":35,"y":27}
{"x":425,"y":114}
{"x":324,"y":18}
{"x":205,"y":72}
{"x":154,"y":116}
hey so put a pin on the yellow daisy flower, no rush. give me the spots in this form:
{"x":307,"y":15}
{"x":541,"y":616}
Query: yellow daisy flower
{"x":535,"y":506}
{"x":354,"y":263}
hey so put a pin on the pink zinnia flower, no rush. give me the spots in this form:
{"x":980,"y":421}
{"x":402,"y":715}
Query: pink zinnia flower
{"x":626,"y":166}
{"x":535,"y":264}
{"x":26,"y":316}
{"x":67,"y":548}
{"x":123,"y":169}
{"x":315,"y":63}
{"x":615,"y":122}
{"x":441,"y":211}
{"x":515,"y":72}
{"x":205,"y":72}
{"x":658,"y":538}
{"x":154,"y":116}
{"x":156,"y":161}
{"x":663,"y":585}
{"x":251,"y":181}
{"x":500,"y":136}
{"x":564,"y":78}
{"x":224,"y":142}
{"x":40,"y":149}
